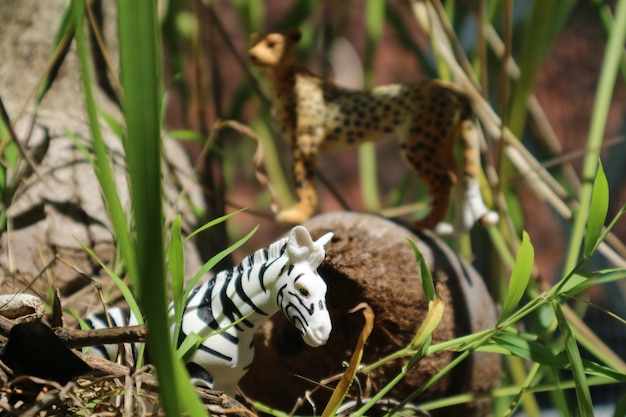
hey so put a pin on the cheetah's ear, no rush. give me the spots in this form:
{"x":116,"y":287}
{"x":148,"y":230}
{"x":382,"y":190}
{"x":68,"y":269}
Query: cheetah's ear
{"x":294,"y":35}
{"x":254,"y":39}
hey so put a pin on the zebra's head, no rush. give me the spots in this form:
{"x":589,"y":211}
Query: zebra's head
{"x":302,"y":295}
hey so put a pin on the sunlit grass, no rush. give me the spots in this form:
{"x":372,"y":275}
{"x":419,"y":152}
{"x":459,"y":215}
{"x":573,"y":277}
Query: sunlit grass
{"x":141,"y":237}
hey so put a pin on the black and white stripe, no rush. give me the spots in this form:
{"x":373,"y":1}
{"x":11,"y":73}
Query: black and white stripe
{"x":281,"y":276}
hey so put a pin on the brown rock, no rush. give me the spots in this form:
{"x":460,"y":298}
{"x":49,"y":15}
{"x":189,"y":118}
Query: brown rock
{"x":370,"y":260}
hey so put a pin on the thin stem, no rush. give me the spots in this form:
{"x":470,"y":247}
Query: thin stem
{"x":606,"y":83}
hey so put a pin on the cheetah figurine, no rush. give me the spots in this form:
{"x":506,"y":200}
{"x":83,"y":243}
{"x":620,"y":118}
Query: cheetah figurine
{"x":320,"y":117}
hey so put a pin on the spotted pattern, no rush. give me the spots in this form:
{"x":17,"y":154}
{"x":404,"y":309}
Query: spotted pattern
{"x":319,"y":117}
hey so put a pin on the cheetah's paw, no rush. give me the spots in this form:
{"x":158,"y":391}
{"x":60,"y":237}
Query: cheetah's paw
{"x":490,"y":218}
{"x":292,"y":217}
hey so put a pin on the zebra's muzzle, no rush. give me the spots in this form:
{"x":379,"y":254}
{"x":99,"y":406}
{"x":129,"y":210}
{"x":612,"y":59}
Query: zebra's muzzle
{"x":317,"y":336}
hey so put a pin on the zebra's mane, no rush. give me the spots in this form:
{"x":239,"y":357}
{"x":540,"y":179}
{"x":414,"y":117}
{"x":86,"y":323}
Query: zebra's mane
{"x":273,"y":251}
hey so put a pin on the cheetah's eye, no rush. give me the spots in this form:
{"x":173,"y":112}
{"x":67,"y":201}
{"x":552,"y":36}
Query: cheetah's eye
{"x":304,"y":292}
{"x":271,"y":44}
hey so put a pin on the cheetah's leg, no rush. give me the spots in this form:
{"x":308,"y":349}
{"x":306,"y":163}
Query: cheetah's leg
{"x":435,"y":165}
{"x":440,"y":180}
{"x":303,"y":166}
{"x":470,"y":206}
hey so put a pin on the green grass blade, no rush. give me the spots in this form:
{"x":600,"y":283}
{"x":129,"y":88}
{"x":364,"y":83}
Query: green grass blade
{"x":193,"y":340}
{"x":119,"y":282}
{"x":176,"y":261}
{"x":103,"y":165}
{"x":60,"y":44}
{"x":141,"y":78}
{"x":528,"y":350}
{"x":520,"y":276}
{"x":598,"y":209}
{"x":374,"y":20}
{"x":189,"y":345}
{"x":583,"y":396}
{"x":187,"y":135}
{"x":210,"y":264}
{"x":426,"y":278}
{"x":212,"y":223}
{"x":604,"y":92}
{"x":545,"y":20}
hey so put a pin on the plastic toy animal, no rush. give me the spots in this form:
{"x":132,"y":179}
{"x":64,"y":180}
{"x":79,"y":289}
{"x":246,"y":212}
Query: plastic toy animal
{"x":316,"y":116}
{"x":282,"y":276}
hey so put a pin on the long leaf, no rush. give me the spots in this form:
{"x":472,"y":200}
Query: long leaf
{"x":210,"y":264}
{"x":374,"y":20}
{"x":140,"y":64}
{"x":602,"y":101}
{"x":436,"y":308}
{"x":121,"y":285}
{"x":103,"y":164}
{"x":585,"y":406}
{"x":212,"y":223}
{"x":519,"y":277}
{"x":176,"y":261}
{"x":544,"y":22}
{"x":426,"y":278}
{"x":598,"y":209}
{"x":348,"y":376}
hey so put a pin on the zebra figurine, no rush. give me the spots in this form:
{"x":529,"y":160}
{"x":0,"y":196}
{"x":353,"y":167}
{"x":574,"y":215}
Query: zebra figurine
{"x":282,"y":276}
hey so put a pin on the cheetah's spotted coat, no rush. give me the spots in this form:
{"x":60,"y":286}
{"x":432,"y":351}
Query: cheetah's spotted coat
{"x":317,"y":116}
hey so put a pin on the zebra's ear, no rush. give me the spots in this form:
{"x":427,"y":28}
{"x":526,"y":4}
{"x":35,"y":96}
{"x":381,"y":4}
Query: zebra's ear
{"x":324,"y":240}
{"x":300,"y":245}
{"x":301,"y":248}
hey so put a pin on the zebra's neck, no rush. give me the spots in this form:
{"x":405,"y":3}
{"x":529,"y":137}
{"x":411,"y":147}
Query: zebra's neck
{"x":246,"y":292}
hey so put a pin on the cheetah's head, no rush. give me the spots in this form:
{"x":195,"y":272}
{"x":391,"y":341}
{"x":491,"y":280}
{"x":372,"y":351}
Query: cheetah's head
{"x":274,"y":49}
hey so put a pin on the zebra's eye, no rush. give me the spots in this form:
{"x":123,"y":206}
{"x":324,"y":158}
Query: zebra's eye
{"x":303,"y":292}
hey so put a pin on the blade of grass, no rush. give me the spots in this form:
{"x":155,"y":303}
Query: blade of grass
{"x":583,"y":396}
{"x":606,"y":17}
{"x":141,"y":77}
{"x":103,"y":165}
{"x":381,"y":393}
{"x":176,"y":262}
{"x":210,"y":264}
{"x":520,"y":276}
{"x":436,"y":309}
{"x":60,"y":46}
{"x":528,"y":382}
{"x":193,"y":340}
{"x":598,"y":208}
{"x":341,"y":390}
{"x":545,"y":20}
{"x":212,"y":223}
{"x":604,"y":91}
{"x":425,"y":278}
{"x":560,"y":402}
{"x":374,"y":20}
{"x":119,"y":282}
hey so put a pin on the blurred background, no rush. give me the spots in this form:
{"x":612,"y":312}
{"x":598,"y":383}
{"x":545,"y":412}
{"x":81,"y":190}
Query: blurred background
{"x":556,"y":55}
